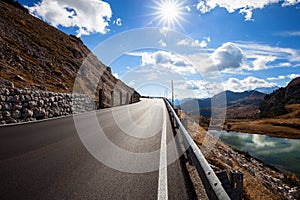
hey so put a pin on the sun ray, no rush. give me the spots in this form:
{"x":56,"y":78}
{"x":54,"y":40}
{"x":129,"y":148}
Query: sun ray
{"x":169,"y":13}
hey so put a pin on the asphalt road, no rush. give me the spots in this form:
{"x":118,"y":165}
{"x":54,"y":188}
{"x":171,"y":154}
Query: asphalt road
{"x":48,"y":159}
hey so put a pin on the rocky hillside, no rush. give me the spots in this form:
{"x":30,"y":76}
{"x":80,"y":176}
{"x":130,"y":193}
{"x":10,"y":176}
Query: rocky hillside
{"x":239,"y":104}
{"x":247,"y":106}
{"x":35,"y":55}
{"x":275,"y":103}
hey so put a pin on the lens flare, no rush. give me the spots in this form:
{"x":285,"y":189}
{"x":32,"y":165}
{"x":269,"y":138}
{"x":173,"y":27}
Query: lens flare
{"x":169,"y":13}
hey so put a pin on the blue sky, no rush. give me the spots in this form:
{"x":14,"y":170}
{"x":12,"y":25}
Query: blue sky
{"x":204,"y":46}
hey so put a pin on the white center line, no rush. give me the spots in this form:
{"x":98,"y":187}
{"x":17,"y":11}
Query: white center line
{"x":163,"y":175}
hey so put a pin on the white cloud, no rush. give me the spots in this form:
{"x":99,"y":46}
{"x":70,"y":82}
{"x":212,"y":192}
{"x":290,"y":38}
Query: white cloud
{"x":208,"y":89}
{"x":162,"y":43}
{"x":285,"y":64}
{"x":281,"y":77}
{"x":227,"y":56}
{"x":204,"y":89}
{"x":207,"y":39}
{"x":183,"y":42}
{"x":118,"y":22}
{"x":201,"y":44}
{"x":290,"y":2}
{"x":164,"y":30}
{"x":194,"y":43}
{"x":261,"y":61}
{"x":262,"y":54}
{"x":188,"y":8}
{"x":163,"y":60}
{"x":248,"y":14}
{"x":292,"y":76}
{"x":89,"y":16}
{"x":200,"y":88}
{"x":244,"y":7}
{"x":240,"y":56}
{"x":249,"y":83}
{"x":290,"y":33}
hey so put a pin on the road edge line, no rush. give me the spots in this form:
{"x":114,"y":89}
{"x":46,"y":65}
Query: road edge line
{"x":163,"y":175}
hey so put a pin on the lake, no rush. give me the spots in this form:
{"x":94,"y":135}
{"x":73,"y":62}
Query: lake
{"x":279,"y":152}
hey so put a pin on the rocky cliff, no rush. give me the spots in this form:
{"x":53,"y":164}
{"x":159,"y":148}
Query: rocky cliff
{"x":35,"y":55}
{"x":275,"y":103}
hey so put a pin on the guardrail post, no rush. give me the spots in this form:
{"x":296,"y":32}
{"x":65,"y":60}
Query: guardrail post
{"x":112,"y":99}
{"x":225,"y":181}
{"x":236,"y":180}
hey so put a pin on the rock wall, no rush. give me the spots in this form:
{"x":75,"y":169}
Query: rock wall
{"x":21,"y":105}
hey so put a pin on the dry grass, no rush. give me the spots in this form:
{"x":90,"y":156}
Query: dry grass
{"x":285,"y":126}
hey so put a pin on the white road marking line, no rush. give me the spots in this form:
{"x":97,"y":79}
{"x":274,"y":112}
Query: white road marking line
{"x":163,"y":175}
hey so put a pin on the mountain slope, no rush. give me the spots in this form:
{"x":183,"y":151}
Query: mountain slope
{"x":36,"y":51}
{"x":275,"y":103}
{"x":239,"y":104}
{"x":36,"y":55}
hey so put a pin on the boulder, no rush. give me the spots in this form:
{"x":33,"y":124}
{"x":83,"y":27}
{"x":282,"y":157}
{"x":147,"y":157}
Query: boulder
{"x":2,"y":98}
{"x":5,"y":92}
{"x":11,"y":121}
{"x":14,"y":98}
{"x":16,"y":114}
{"x":39,"y":113}
{"x":17,"y":106}
{"x":26,"y":113}
{"x":6,"y":114}
{"x":32,"y":104}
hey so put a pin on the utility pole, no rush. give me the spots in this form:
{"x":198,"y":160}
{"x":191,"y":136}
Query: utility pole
{"x":172,"y":82}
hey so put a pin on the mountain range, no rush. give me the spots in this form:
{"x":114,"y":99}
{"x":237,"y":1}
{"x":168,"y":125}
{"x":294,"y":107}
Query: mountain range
{"x":238,"y":104}
{"x":248,"y":104}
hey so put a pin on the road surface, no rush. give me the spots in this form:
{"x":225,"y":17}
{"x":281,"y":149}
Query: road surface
{"x":47,"y":160}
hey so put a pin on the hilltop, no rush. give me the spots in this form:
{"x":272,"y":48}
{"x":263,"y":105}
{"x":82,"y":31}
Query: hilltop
{"x":275,"y":103}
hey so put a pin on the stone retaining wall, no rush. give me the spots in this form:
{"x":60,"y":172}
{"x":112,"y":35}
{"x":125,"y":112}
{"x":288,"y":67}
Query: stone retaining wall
{"x":17,"y":105}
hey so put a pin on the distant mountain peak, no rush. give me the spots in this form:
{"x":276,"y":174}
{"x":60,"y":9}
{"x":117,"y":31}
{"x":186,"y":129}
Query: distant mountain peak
{"x":267,"y":90}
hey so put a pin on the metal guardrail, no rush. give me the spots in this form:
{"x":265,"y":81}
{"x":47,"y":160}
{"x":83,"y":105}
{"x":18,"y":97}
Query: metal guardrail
{"x":211,"y":182}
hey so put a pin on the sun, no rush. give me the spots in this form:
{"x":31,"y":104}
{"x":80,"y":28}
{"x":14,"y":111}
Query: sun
{"x":169,"y":12}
